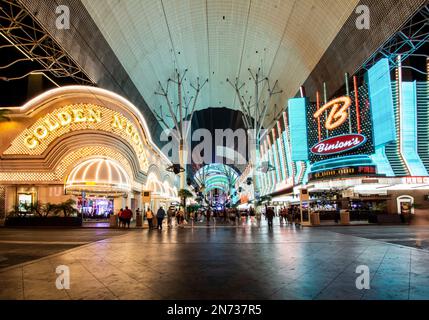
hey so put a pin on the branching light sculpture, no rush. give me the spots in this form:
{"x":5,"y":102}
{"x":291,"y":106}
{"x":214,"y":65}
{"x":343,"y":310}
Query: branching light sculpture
{"x":181,"y":113}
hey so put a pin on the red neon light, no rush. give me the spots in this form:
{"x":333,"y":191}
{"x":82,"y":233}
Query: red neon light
{"x":318,"y":119}
{"x":357,"y":103}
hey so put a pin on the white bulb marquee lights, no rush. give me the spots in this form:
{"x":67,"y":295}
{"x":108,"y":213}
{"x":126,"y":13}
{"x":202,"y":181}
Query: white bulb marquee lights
{"x":161,"y":189}
{"x":98,"y":175}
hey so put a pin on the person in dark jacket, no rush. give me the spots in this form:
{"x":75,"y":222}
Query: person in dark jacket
{"x":160,"y":215}
{"x":270,"y":216}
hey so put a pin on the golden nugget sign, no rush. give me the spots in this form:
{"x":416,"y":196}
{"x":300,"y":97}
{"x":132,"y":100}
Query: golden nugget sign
{"x":71,"y":118}
{"x":338,"y":114}
{"x":52,"y":123}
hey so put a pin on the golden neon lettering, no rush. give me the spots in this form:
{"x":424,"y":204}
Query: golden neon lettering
{"x":94,"y":115}
{"x":117,"y":122}
{"x":338,"y":114}
{"x":78,"y":115}
{"x":41,"y":132}
{"x":31,"y":142}
{"x":65,"y":118}
{"x":51,"y":126}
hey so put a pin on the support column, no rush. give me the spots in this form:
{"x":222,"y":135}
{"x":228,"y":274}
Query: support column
{"x":118,"y":204}
{"x":128,"y":202}
{"x":182,"y":164}
{"x":2,"y":204}
{"x":139,"y":203}
{"x":10,"y":198}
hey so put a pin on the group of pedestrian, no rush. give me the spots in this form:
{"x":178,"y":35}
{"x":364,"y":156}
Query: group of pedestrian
{"x":171,"y":213}
{"x":125,"y":217}
{"x":287,"y":216}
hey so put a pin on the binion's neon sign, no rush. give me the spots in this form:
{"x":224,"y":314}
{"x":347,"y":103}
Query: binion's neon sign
{"x":338,"y":114}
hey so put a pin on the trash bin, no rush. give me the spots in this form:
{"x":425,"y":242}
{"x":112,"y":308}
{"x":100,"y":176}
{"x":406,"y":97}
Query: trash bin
{"x":113,"y":221}
{"x":345,"y":217}
{"x":315,"y":218}
{"x":139,"y":221}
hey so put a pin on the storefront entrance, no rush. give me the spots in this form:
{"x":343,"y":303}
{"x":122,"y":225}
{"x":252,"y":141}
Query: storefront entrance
{"x":98,"y":208}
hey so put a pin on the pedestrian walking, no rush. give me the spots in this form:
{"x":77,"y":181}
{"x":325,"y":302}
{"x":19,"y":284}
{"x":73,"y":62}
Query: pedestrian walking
{"x":170,"y":214}
{"x":127,"y":215}
{"x":252,"y":214}
{"x":120,"y":218}
{"x":258,"y":216}
{"x":149,"y":217}
{"x":270,"y":216}
{"x":160,"y":215}
{"x":182,"y":217}
{"x":208,"y":215}
{"x":177,"y":214}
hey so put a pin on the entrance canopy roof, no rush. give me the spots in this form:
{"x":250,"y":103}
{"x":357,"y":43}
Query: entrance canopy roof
{"x":99,"y":176}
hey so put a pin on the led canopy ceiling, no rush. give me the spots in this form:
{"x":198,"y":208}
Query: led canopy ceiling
{"x":216,"y":176}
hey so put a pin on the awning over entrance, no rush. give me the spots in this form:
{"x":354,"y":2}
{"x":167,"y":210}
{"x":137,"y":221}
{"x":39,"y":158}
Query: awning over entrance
{"x":161,"y":190}
{"x":98,"y":176}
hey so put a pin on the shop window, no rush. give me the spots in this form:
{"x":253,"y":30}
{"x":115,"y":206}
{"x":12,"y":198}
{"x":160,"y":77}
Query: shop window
{"x":25,"y":200}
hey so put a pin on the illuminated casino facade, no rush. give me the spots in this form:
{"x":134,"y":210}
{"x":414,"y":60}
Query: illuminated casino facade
{"x":371,"y":142}
{"x":83,"y":143}
{"x":365,"y":139}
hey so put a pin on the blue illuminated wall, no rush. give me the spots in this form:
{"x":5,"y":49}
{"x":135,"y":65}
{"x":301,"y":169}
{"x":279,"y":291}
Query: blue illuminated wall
{"x":383,"y":164}
{"x":380,"y":97}
{"x":287,"y":152}
{"x":297,"y":113}
{"x":409,"y":130}
{"x":382,"y":113}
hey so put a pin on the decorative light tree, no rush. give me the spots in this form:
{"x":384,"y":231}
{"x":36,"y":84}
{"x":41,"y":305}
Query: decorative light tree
{"x":254,"y":109}
{"x":181,"y":113}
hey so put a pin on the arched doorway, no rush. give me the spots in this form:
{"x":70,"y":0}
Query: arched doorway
{"x":405,"y":204}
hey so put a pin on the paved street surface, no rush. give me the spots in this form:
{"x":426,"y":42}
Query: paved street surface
{"x":22,"y":245}
{"x":221,"y":263}
{"x":411,"y":236}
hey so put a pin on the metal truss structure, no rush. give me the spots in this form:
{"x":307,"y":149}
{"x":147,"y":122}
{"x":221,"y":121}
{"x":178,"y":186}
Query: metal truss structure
{"x":405,"y":42}
{"x":21,"y":30}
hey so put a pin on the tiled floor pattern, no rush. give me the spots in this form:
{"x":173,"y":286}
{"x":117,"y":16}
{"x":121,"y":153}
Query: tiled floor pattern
{"x":225,"y":263}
